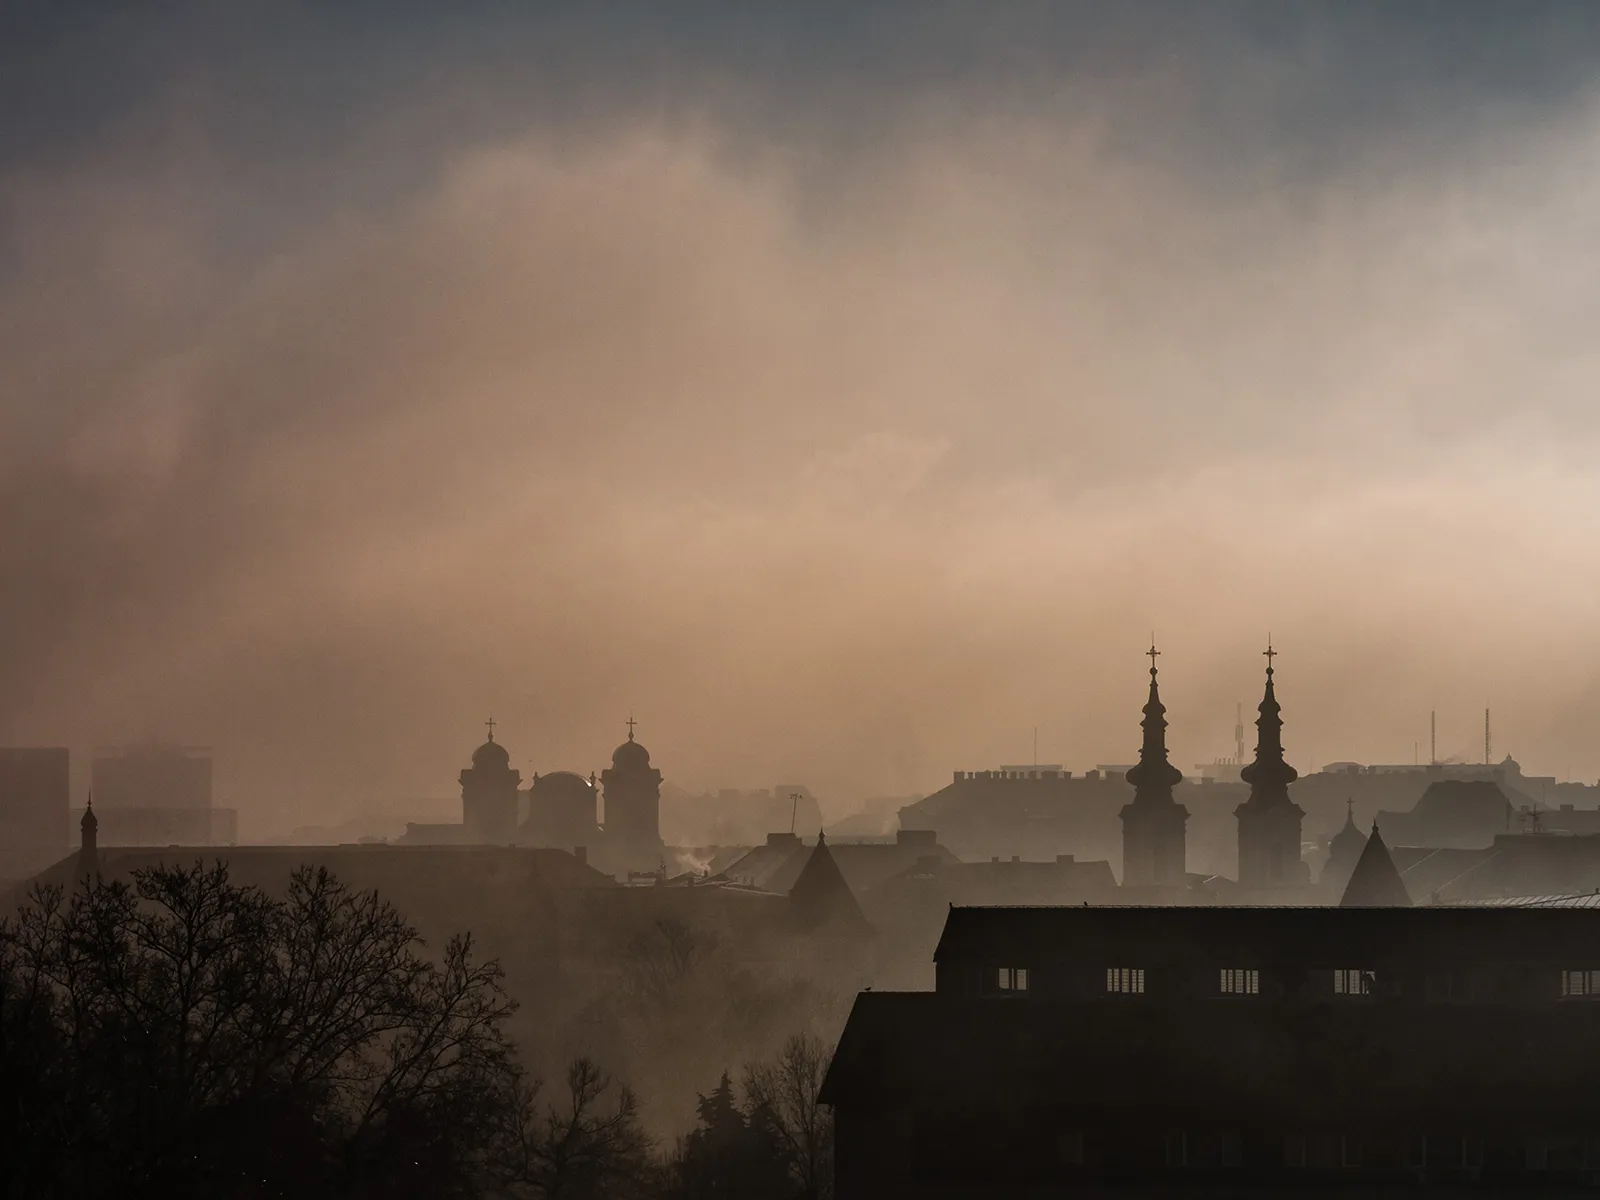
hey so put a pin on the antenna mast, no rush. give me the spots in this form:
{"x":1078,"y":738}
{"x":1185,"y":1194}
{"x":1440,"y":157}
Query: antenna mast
{"x":1238,"y":733}
{"x":794,"y":807}
{"x":1486,"y":742}
{"x":1433,"y":738}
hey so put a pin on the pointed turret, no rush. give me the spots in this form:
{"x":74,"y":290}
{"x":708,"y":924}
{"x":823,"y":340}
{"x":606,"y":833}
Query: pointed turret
{"x":1375,"y":883}
{"x":1269,"y":776}
{"x":821,"y":900}
{"x":1153,"y":824}
{"x":1269,"y":822}
{"x":89,"y":851}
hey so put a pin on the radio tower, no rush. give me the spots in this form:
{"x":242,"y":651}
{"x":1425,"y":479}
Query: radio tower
{"x":1433,"y":738}
{"x":1486,"y":742}
{"x":1238,"y":733}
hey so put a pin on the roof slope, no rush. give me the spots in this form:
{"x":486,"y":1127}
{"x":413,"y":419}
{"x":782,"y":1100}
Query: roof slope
{"x":821,"y":900}
{"x":1375,"y":883}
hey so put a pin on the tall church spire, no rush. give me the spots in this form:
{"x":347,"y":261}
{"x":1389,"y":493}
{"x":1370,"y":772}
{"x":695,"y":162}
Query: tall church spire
{"x":1153,"y":823}
{"x":1269,"y":776}
{"x":1154,"y":776}
{"x":1270,"y":822}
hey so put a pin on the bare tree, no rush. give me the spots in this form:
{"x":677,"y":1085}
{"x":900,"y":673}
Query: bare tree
{"x":784,"y":1091}
{"x":201,"y":1035}
{"x":584,"y":1145}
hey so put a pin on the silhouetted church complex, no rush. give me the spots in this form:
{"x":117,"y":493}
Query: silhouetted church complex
{"x":560,"y":810}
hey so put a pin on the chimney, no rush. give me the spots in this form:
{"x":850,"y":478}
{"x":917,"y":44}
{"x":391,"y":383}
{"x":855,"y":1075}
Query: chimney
{"x":581,"y":853}
{"x":1062,"y":859}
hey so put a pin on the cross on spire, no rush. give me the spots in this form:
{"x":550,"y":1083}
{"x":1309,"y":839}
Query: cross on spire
{"x":631,"y":724}
{"x":1152,"y":654}
{"x":490,"y":723}
{"x":1270,"y":653}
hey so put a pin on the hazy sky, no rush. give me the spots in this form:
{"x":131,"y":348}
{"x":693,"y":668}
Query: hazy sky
{"x":844,"y":389}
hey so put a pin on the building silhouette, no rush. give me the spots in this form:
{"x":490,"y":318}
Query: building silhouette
{"x":1344,"y":851}
{"x":1153,"y":823}
{"x":1269,"y":822}
{"x":158,"y":794}
{"x":559,"y":810}
{"x":632,"y":803}
{"x":489,"y":794}
{"x":33,"y":809}
{"x":1222,"y":1051}
{"x":1375,"y":882}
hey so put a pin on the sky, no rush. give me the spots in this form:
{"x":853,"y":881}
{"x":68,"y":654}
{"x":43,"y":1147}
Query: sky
{"x":845,"y":390}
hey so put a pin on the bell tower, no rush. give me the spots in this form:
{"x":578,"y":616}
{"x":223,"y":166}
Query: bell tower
{"x":1154,"y":825}
{"x":1270,"y":822}
{"x":632,"y":790}
{"x":489,"y":793}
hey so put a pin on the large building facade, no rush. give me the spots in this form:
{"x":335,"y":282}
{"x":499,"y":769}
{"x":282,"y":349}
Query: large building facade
{"x":1155,"y":1051}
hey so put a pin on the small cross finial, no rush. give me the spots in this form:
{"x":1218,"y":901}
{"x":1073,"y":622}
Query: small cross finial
{"x":490,"y":723}
{"x":631,"y":724}
{"x":1350,"y":808}
{"x":1152,"y":654}
{"x":1270,"y":653}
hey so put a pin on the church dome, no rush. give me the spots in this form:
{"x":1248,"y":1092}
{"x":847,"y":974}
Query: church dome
{"x":630,"y":756}
{"x":1349,"y":842}
{"x":491,"y":756}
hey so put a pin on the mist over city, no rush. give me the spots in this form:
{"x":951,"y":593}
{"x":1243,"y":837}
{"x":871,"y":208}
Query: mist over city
{"x":676,"y":556}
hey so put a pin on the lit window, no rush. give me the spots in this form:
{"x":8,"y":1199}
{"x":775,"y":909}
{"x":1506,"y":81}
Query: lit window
{"x":1352,"y":982}
{"x":1580,"y":983}
{"x":1127,"y":981}
{"x":1011,"y":980}
{"x":1238,"y":981}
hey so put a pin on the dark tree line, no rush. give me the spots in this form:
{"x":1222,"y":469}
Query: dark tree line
{"x":773,"y":1142}
{"x":181,"y":1035}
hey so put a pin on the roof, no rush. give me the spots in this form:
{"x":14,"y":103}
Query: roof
{"x":355,"y":864}
{"x":1375,"y":883}
{"x":822,"y":900}
{"x":777,"y":865}
{"x":1205,"y":934}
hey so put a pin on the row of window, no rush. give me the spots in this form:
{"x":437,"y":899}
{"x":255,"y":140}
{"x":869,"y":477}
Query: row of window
{"x":1220,"y":1150}
{"x":1246,"y":981}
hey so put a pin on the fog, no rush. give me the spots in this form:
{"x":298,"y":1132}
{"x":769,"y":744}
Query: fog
{"x":837,"y":440}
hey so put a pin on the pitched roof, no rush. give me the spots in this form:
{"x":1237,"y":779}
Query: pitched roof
{"x":822,"y":900}
{"x":1375,"y":883}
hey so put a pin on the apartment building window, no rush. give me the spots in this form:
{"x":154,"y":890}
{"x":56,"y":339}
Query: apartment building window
{"x":1353,"y":981}
{"x":1010,"y":981}
{"x":1562,"y":1152}
{"x":1580,"y":983}
{"x":1125,"y":981}
{"x":1205,"y":1149}
{"x":1238,"y":981}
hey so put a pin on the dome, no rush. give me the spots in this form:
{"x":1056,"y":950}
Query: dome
{"x":491,"y":755}
{"x":630,"y":756}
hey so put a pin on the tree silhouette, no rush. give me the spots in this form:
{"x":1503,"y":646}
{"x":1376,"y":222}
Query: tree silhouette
{"x":183,"y":1035}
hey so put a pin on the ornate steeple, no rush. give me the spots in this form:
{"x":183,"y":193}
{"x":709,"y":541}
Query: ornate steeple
{"x":1154,"y":776}
{"x":1153,"y":841}
{"x":1269,"y":776}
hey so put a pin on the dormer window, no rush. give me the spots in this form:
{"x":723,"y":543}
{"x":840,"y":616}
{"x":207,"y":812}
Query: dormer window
{"x":1125,"y":981}
{"x":1240,"y":981}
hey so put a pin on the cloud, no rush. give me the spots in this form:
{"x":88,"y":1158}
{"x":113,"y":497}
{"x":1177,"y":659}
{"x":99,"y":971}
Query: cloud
{"x":850,"y":470}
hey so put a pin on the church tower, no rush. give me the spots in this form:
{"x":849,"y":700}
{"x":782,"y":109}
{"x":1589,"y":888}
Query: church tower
{"x":1153,"y":824}
{"x":89,"y":851}
{"x":633,"y":805}
{"x":489,"y":793}
{"x":1269,"y":822}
